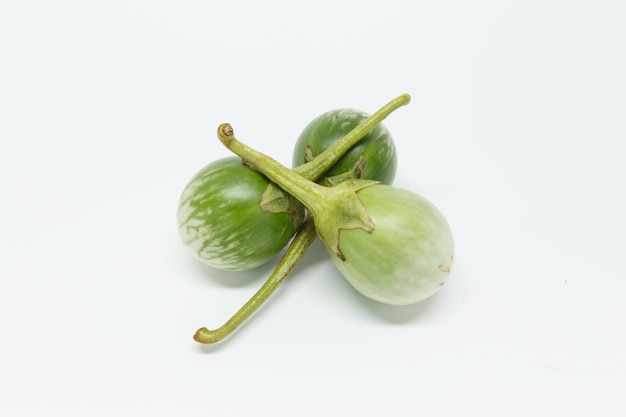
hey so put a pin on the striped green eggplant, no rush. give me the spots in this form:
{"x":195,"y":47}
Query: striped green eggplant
{"x":221,"y":220}
{"x":374,"y":156}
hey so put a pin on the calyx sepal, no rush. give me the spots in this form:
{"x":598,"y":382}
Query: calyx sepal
{"x":275,"y":200}
{"x":346,"y":211}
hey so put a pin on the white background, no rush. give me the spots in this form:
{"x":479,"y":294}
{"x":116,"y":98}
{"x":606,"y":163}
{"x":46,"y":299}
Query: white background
{"x":515,"y":131}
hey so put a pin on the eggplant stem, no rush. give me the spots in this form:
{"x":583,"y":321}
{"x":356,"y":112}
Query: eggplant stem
{"x":326,"y":159}
{"x":299,"y":245}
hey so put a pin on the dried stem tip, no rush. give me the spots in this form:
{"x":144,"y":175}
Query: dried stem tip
{"x":225,"y":130}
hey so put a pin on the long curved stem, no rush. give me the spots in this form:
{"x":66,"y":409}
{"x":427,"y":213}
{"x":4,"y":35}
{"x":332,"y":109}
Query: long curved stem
{"x":301,"y":242}
{"x":311,"y":194}
{"x":322,"y":162}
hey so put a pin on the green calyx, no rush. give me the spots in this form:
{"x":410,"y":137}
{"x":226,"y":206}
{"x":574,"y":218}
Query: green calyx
{"x":355,"y":173}
{"x":340,"y":210}
{"x":332,"y":208}
{"x":275,"y":200}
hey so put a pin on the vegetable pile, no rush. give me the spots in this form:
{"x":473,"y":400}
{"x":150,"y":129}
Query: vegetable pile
{"x":392,"y":245}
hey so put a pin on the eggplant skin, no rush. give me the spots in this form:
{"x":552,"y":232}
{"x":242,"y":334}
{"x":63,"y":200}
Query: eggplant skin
{"x":409,"y":254}
{"x":221,"y":221}
{"x":377,"y":146}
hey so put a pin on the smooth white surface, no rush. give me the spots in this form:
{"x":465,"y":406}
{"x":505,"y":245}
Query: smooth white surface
{"x":516,"y":132}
